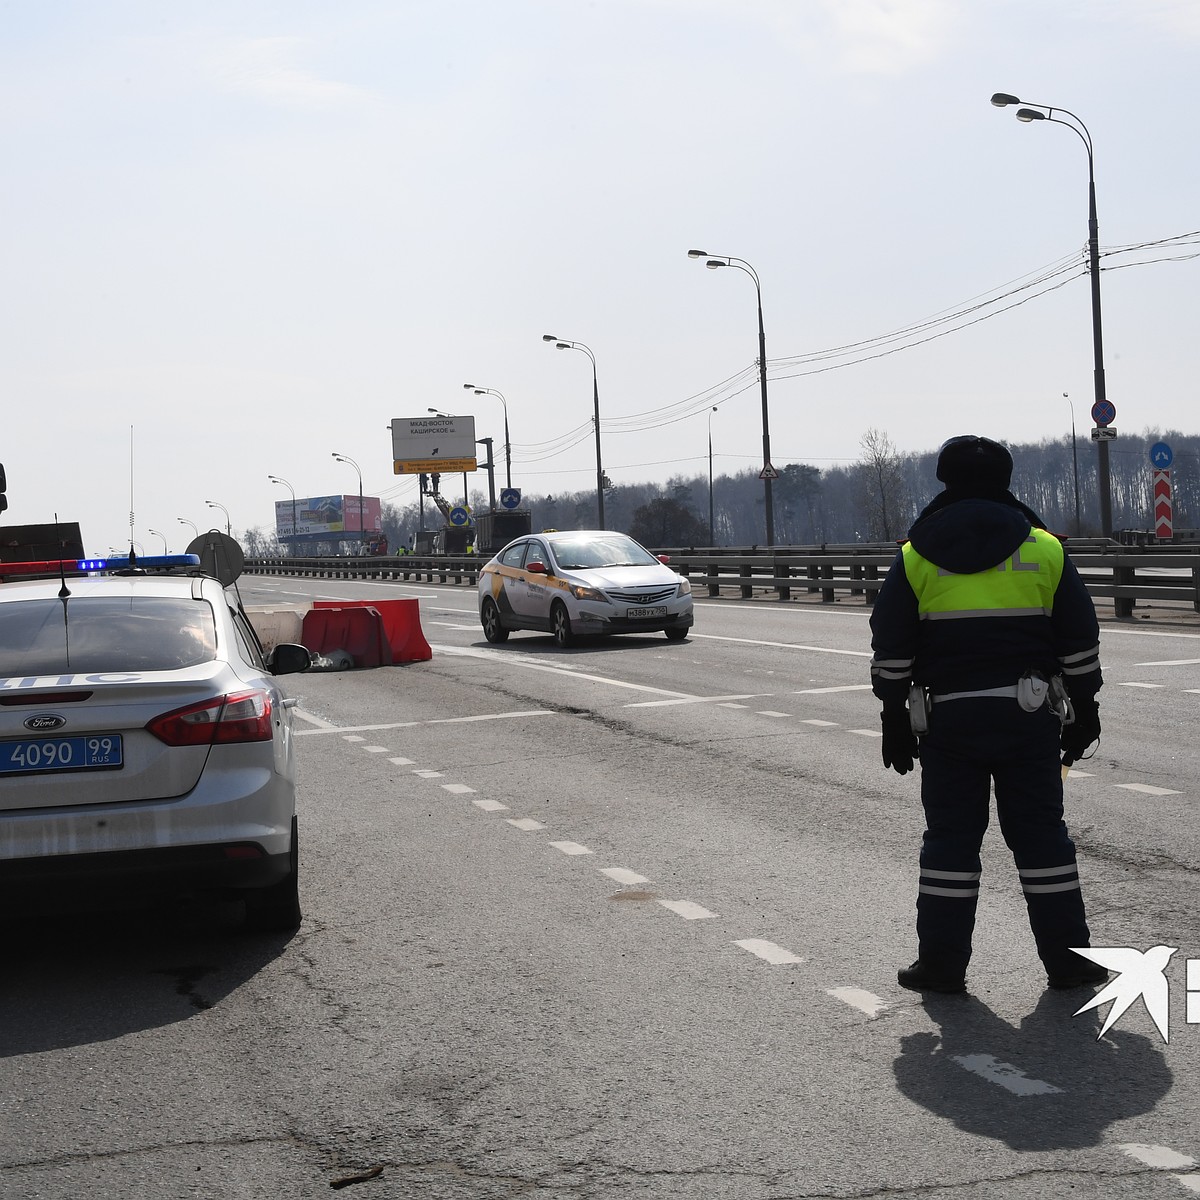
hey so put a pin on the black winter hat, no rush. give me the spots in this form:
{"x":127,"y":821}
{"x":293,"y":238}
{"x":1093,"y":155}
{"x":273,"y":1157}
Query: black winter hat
{"x":974,"y":462}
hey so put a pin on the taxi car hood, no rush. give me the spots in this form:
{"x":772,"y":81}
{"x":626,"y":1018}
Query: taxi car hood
{"x":650,"y":575}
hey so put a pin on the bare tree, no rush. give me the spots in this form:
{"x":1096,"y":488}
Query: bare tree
{"x":884,"y":494}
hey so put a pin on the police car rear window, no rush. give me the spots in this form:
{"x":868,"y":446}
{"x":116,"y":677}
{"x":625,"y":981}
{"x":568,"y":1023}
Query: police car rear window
{"x":94,"y":634}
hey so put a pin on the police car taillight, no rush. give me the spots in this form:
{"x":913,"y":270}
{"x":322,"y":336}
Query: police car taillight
{"x":238,"y":717}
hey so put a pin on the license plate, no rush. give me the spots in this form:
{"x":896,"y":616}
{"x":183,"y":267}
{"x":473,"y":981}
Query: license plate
{"x":91,"y":753}
{"x":645,"y":614}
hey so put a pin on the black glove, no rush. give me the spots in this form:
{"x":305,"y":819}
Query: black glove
{"x":1082,"y":732}
{"x":899,"y":741}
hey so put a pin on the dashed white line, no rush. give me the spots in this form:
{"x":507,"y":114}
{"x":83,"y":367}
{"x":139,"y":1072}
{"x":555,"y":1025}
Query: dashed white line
{"x":428,"y":774}
{"x":1170,"y":662}
{"x":376,"y":749}
{"x":1074,"y":774}
{"x":490,"y":805}
{"x":729,"y":704}
{"x":350,"y":737}
{"x":768,"y":712}
{"x":691,"y":700}
{"x":865,"y":1002}
{"x":847,"y":687}
{"x":687,"y":910}
{"x":621,"y":875}
{"x":814,"y":721}
{"x":458,"y":789}
{"x":401,"y":762}
{"x":867,"y":732}
{"x":322,"y":725}
{"x":1011,"y":1078}
{"x":1142,"y":685}
{"x":1161,"y":1158}
{"x":1147,"y":790}
{"x":526,"y":823}
{"x":570,"y":847}
{"x":768,"y":951}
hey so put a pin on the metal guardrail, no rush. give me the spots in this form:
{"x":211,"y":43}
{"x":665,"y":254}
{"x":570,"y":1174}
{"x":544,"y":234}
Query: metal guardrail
{"x":1124,"y":574}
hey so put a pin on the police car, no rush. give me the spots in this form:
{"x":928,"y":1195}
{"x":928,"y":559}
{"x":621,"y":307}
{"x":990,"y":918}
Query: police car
{"x":588,"y":582}
{"x":145,"y":744}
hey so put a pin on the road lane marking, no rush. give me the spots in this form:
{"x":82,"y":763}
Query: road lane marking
{"x":695,"y":700}
{"x":713,"y":637}
{"x":402,"y":762}
{"x":1161,"y":1158}
{"x":865,"y":1002}
{"x":458,"y":789}
{"x":428,"y":774}
{"x":1142,"y":685}
{"x":1074,"y":774}
{"x":814,"y":721}
{"x":501,"y":716}
{"x":352,"y":738}
{"x":777,"y":956}
{"x":1170,"y":662}
{"x":376,"y":749}
{"x":687,"y":910}
{"x":847,"y":687}
{"x":1006,"y":1075}
{"x":730,"y":704}
{"x":570,"y":847}
{"x":769,"y":712}
{"x":867,"y":732}
{"x":621,"y":875}
{"x":490,"y":805}
{"x":322,"y":725}
{"x":1146,"y":789}
{"x":526,"y":823}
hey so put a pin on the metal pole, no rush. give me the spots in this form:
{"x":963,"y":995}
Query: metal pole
{"x":1098,"y":348}
{"x":711,"y":535}
{"x":599,"y":465}
{"x":1075,"y":467}
{"x":766,"y":431}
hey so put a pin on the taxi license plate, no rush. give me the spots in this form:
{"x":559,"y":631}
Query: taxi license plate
{"x":36,"y":755}
{"x":645,"y":614}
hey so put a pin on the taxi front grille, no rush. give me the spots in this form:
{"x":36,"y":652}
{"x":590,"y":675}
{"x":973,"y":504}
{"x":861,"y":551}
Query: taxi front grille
{"x":657,"y":596}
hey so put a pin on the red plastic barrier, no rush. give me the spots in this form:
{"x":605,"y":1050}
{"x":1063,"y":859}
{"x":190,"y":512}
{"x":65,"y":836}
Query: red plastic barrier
{"x":401,"y":623}
{"x":358,"y":630}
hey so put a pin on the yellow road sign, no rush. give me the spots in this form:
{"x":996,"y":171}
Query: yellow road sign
{"x":427,"y":466}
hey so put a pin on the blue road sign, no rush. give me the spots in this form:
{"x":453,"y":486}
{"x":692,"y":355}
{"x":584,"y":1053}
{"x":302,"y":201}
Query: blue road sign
{"x":1161,"y":455}
{"x":510,"y":497}
{"x":459,"y":515}
{"x":1104,"y":412}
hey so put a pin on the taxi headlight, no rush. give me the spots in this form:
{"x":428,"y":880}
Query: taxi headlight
{"x":685,"y":587}
{"x":580,"y":592}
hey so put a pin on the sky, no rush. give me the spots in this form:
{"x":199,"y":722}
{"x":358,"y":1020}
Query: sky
{"x":242,"y":236}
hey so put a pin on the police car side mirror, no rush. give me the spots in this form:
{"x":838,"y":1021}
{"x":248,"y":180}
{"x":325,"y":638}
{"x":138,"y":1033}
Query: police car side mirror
{"x":288,"y":658}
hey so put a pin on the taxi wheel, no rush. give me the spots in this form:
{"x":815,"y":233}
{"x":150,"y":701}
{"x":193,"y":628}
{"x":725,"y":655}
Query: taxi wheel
{"x":675,"y":635}
{"x":493,"y":630}
{"x":560,"y":625}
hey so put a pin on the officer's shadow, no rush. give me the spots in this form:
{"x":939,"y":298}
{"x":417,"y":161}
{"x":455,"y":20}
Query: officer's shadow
{"x":1047,"y":1084}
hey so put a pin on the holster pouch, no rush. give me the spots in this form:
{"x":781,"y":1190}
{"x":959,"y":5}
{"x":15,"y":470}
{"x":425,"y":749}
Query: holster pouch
{"x":1032,"y":691}
{"x":918,"y":709}
{"x":1060,"y":701}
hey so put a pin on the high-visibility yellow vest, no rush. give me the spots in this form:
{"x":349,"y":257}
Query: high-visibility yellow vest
{"x":1023,"y":585}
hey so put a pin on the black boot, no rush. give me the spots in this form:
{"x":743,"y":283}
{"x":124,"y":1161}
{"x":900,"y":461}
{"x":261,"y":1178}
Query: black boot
{"x":921,"y":977}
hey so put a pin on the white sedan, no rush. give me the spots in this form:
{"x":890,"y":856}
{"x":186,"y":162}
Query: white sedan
{"x":582,"y":583}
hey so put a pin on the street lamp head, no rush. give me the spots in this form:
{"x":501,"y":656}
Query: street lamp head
{"x":480,"y":391}
{"x":714,"y":263}
{"x":549,"y":337}
{"x":562,"y":345}
{"x":1003,"y":100}
{"x":470,"y":387}
{"x":1030,"y":114}
{"x":697,"y":254}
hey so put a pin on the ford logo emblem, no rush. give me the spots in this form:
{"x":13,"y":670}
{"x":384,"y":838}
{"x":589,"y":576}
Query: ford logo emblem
{"x":44,"y":722}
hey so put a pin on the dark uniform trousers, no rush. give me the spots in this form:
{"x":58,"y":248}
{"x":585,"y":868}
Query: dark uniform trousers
{"x":971,"y":743}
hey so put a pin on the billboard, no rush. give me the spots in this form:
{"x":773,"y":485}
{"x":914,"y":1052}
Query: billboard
{"x":422,"y":445}
{"x":327,"y":516}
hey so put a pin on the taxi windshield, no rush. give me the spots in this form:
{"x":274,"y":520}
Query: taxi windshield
{"x":100,"y":634}
{"x":616,"y":550}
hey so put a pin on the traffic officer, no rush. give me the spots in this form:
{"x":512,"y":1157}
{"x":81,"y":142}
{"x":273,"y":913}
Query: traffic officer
{"x":981,"y":623}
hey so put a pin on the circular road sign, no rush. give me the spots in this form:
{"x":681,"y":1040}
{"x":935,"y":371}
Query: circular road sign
{"x":1161,"y":455}
{"x":1104,"y":412}
{"x":510,"y":497}
{"x":459,"y":516}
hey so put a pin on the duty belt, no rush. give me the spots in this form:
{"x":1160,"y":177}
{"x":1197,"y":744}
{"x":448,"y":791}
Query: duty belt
{"x":1010,"y":692}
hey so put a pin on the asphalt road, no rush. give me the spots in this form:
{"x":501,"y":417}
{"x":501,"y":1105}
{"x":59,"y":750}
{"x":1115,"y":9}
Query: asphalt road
{"x":622,"y":921}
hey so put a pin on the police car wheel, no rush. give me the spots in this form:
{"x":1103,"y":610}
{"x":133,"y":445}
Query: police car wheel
{"x":489,"y":616}
{"x":560,"y":625}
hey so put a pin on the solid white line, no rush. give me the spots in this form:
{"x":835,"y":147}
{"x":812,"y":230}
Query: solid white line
{"x":1006,"y":1075}
{"x":490,"y":805}
{"x":712,"y":637}
{"x":687,"y":910}
{"x":458,"y":789}
{"x":503,"y":716}
{"x":1171,"y":662}
{"x":1142,"y":685}
{"x":1147,"y":790}
{"x":621,"y":875}
{"x":1161,"y":1158}
{"x":846,"y":687}
{"x":570,"y":847}
{"x":768,"y":951}
{"x":1074,"y":774}
{"x":729,"y":704}
{"x":525,"y":823}
{"x":865,"y":1002}
{"x":695,"y":700}
{"x":307,"y":716}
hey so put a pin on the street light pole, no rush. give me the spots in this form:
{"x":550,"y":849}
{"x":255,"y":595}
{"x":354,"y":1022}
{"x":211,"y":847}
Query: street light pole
{"x":1026,"y":116}
{"x":1075,"y":466}
{"x":228,"y":523}
{"x":507,"y":444}
{"x":159,"y":533}
{"x":345,"y":458}
{"x":725,"y":260}
{"x":295,"y":527}
{"x":712,"y":541}
{"x":185,"y":521}
{"x":563,"y":344}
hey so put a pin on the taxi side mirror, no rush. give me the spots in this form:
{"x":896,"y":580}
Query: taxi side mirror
{"x":536,"y":567}
{"x":664,"y":559}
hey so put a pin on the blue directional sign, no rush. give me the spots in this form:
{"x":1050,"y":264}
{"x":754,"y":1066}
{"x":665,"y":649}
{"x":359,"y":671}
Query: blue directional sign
{"x":1104,"y":412}
{"x":1161,"y":455}
{"x":460,"y":515}
{"x":510,"y":497}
